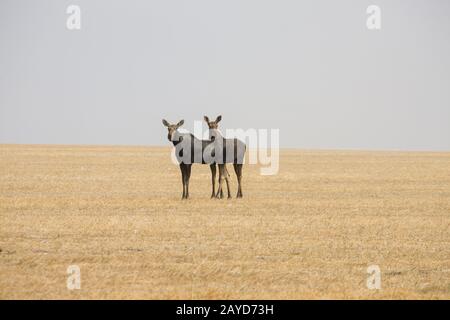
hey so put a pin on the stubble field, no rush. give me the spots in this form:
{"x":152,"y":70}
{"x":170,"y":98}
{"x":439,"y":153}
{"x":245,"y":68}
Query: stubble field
{"x":311,"y":231}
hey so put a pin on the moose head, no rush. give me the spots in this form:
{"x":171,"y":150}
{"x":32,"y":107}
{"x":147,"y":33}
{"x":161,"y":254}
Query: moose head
{"x":213,"y":124}
{"x":172,"y":129}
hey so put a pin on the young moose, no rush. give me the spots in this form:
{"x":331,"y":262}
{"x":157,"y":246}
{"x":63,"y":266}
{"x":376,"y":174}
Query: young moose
{"x":226,"y":151}
{"x":191,"y":150}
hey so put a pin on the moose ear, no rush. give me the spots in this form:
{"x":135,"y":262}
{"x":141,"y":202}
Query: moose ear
{"x":179,"y":124}
{"x":218,"y":119}
{"x":206,"y":119}
{"x":165,"y":123}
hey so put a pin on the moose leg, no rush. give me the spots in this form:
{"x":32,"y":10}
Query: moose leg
{"x":188,"y":176}
{"x":238,"y":170}
{"x":227,"y":178}
{"x":240,"y":179}
{"x":183,"y":169}
{"x":213,"y":179}
{"x":221,"y":178}
{"x":219,"y":193}
{"x":221,"y":174}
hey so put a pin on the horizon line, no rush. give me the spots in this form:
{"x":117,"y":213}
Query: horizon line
{"x":2,"y":144}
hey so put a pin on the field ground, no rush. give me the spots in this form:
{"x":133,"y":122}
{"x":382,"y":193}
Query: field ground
{"x":309,"y":232}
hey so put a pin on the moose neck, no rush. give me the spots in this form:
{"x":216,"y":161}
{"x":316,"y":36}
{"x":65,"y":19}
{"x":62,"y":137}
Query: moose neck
{"x":180,"y":136}
{"x":176,"y":138}
{"x":215,"y":134}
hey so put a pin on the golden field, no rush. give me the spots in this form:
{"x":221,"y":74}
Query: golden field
{"x":310,"y":231}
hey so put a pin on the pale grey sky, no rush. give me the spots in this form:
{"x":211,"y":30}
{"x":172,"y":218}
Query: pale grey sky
{"x":310,"y":68}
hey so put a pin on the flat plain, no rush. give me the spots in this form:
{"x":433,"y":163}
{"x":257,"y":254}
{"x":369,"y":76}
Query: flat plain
{"x":310,"y":231}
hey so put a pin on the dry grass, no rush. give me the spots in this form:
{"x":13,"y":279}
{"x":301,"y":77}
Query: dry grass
{"x":309,"y":232}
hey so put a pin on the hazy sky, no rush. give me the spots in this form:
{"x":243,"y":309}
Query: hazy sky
{"x":310,"y":68}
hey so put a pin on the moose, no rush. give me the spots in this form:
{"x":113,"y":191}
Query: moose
{"x":215,"y":151}
{"x":227,"y":151}
{"x":189,"y":150}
